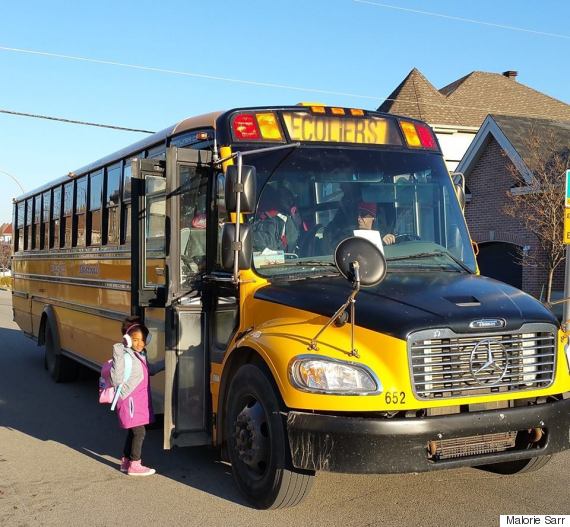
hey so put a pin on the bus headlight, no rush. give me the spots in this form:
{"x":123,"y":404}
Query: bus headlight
{"x":567,"y":350}
{"x":312,"y":373}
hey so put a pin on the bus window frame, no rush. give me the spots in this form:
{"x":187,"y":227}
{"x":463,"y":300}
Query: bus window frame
{"x":67,"y":215}
{"x":45,"y":222}
{"x":56,"y":220}
{"x":79,"y":216}
{"x":94,"y":213}
{"x":115,"y":208}
{"x":37,"y":221}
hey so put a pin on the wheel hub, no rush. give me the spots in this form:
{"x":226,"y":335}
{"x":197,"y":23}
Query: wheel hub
{"x":251,"y":436}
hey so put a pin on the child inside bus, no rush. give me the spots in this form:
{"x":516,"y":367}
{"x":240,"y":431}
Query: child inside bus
{"x":367,"y":216}
{"x":134,"y":408}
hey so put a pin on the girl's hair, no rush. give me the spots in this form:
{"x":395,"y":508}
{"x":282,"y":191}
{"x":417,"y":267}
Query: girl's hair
{"x":133,"y":322}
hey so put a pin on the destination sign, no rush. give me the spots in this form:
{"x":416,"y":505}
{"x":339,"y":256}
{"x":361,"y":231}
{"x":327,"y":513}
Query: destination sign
{"x":307,"y":127}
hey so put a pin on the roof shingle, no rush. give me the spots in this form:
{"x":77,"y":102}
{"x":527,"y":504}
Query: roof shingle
{"x":468,"y":100}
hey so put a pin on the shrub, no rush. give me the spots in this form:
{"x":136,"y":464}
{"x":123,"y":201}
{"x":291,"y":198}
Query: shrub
{"x":5,"y":282}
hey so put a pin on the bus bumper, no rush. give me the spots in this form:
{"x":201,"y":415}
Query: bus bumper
{"x":361,"y":445}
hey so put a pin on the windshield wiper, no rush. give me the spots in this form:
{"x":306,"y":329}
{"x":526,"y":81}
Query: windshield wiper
{"x":428,"y":254}
{"x":309,"y":263}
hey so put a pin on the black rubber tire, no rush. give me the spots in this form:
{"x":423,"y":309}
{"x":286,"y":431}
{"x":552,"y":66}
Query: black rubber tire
{"x":517,"y":467}
{"x":60,"y":367}
{"x":274,"y":483}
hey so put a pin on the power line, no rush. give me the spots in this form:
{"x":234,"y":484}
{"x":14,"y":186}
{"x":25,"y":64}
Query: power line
{"x":187,"y":73}
{"x":73,"y":121}
{"x":242,"y":81}
{"x":462,"y":19}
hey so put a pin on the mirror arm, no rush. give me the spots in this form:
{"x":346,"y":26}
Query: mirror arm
{"x":350,"y":302}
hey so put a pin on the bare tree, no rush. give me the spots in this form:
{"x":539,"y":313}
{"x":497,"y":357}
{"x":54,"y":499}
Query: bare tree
{"x":5,"y":254}
{"x":537,"y":198}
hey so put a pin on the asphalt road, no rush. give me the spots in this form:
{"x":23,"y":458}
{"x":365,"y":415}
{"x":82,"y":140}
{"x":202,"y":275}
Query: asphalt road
{"x":59,"y":453}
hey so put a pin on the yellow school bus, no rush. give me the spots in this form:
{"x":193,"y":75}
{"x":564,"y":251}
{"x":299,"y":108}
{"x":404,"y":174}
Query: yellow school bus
{"x":308,"y":276}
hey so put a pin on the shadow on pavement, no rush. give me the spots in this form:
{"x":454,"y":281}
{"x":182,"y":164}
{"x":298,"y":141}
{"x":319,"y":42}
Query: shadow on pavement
{"x":71,"y":415}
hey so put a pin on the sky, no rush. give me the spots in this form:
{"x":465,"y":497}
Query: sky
{"x":349,"y":53}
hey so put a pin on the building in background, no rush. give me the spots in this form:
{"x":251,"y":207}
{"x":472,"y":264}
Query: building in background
{"x":501,"y":145}
{"x":6,"y":233}
{"x":457,"y":111}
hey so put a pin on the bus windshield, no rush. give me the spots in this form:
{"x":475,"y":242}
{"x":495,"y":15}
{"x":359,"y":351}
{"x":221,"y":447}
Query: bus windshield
{"x":312,"y":198}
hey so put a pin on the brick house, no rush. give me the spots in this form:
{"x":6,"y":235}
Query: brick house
{"x":6,"y":233}
{"x":457,"y":111}
{"x":502,"y":143}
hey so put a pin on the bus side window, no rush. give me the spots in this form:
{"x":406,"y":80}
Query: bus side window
{"x":37,"y":220}
{"x":126,"y":208}
{"x":20,"y":225}
{"x":67,"y":222}
{"x":193,"y":209}
{"x":94,"y":213}
{"x":80,"y":211}
{"x":55,"y":228}
{"x":29,"y":217}
{"x":111,"y":212}
{"x":46,"y":207}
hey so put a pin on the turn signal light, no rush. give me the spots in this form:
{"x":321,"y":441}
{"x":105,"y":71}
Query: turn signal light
{"x":410,"y":134}
{"x":418,"y":135}
{"x":268,"y":126}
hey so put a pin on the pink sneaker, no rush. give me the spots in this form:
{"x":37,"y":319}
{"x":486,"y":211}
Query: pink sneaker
{"x":125,"y":463}
{"x":137,"y":469}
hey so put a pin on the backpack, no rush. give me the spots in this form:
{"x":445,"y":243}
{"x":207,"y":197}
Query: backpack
{"x":107,"y":392}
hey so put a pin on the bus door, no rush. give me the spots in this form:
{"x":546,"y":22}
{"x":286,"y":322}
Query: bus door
{"x":173,"y":208}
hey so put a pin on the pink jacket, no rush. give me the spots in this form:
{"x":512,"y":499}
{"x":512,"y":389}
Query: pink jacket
{"x":135,"y":403}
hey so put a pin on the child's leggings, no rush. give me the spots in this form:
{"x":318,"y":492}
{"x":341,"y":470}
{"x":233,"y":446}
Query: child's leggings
{"x":133,"y":443}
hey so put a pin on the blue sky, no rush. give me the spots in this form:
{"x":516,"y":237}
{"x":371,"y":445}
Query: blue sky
{"x":344,"y":46}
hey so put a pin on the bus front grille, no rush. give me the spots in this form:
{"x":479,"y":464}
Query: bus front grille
{"x":471,"y":446}
{"x":445,"y":365}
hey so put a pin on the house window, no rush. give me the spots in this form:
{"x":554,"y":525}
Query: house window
{"x":112,"y":199}
{"x":94,"y":215}
{"x":80,"y":211}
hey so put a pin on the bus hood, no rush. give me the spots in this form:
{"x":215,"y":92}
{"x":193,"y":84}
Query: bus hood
{"x":407,"y":302}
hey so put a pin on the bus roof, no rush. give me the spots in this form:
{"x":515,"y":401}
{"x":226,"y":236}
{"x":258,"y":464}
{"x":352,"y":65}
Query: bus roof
{"x":207,"y":120}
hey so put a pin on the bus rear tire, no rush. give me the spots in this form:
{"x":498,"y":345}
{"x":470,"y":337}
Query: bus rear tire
{"x":257,"y":443}
{"x":520,"y":466}
{"x":60,"y":367}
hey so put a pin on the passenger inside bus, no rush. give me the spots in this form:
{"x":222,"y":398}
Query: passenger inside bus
{"x":277,"y":224}
{"x":367,"y":216}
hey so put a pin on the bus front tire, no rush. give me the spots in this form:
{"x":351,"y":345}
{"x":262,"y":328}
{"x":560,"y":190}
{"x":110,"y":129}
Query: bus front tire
{"x":520,"y":466}
{"x":60,"y":367}
{"x":257,"y":444}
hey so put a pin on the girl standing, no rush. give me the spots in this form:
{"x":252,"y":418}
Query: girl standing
{"x":134,"y":408}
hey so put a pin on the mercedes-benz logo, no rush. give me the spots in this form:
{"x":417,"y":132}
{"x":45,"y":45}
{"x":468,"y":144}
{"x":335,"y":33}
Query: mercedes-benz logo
{"x":488,"y":362}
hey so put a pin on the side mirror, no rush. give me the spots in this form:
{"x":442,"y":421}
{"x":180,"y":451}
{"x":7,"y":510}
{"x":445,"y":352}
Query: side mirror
{"x":459,"y":183}
{"x":360,"y":261}
{"x":245,"y":252}
{"x":247,"y":189}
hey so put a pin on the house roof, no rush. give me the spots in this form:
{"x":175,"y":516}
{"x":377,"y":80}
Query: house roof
{"x":468,"y":100}
{"x":513,"y":133}
{"x":5,"y":229}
